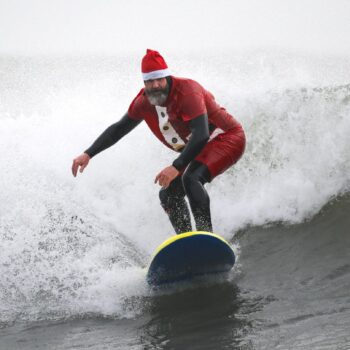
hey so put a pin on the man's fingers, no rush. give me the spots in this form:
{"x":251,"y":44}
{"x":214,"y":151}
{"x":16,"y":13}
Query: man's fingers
{"x":166,"y":184}
{"x":157,"y":178}
{"x":163,"y":184}
{"x":76,"y":165}
{"x":164,"y":181}
{"x":74,"y":168}
{"x":80,"y":162}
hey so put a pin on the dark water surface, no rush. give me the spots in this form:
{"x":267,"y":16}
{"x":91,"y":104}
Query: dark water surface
{"x":290,"y":290}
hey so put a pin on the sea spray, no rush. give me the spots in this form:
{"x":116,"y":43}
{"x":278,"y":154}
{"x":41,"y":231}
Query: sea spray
{"x":74,"y":246}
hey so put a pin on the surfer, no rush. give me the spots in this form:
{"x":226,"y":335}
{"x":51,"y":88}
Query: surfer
{"x":186,"y":118}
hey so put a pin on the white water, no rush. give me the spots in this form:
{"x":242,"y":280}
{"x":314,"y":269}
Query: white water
{"x":72,"y":246}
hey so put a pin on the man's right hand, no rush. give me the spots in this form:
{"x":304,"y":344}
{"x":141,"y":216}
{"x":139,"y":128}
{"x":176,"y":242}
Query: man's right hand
{"x":82,"y":161}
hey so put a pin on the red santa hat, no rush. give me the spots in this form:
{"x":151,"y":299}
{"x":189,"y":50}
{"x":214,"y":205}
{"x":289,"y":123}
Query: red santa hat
{"x":153,"y":66}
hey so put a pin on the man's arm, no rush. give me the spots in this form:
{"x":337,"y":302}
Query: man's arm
{"x":200,"y":136}
{"x":108,"y":138}
{"x":112,"y":135}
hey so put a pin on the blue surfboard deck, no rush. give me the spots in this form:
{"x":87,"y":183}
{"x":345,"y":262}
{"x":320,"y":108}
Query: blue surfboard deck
{"x":188,"y":255}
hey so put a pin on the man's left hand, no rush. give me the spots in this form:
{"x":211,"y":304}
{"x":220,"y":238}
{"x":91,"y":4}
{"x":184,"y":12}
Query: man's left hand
{"x":167,"y":175}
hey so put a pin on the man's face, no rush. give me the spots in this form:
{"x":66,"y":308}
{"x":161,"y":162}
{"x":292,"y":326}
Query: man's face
{"x":157,"y":91}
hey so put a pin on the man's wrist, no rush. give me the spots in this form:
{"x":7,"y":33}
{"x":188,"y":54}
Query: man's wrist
{"x":90,"y":154}
{"x":177,"y":164}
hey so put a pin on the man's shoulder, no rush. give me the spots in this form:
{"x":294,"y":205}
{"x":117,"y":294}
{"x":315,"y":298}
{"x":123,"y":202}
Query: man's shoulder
{"x":186,"y":86}
{"x":138,"y":105}
{"x":140,"y":100}
{"x":140,"y":95}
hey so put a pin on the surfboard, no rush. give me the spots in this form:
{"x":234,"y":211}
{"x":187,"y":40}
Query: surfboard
{"x":187,"y":255}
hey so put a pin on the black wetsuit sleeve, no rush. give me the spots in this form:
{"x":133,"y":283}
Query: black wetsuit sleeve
{"x":200,"y":135}
{"x":112,"y":135}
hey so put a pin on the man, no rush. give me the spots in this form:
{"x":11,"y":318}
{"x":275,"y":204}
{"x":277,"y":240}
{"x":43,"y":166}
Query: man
{"x":185,"y":117}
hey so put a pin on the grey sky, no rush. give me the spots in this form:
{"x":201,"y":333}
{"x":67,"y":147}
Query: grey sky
{"x":113,"y":26}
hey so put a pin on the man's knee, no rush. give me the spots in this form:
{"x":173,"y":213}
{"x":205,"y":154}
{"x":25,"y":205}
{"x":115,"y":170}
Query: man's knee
{"x":164,"y":197}
{"x":195,"y":173}
{"x":168,"y":197}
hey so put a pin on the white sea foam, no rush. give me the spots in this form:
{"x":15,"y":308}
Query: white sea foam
{"x":72,"y":246}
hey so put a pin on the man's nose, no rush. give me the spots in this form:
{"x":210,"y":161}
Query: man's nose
{"x":156,"y":84}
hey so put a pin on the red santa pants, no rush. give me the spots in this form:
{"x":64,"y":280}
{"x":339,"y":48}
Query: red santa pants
{"x":223,"y":151}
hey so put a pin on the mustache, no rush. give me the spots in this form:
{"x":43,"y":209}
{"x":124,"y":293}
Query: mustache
{"x":155,"y":91}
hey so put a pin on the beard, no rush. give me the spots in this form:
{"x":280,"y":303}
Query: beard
{"x":157,"y":97}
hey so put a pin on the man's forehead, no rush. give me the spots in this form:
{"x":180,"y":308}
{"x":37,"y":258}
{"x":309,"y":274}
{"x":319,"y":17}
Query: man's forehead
{"x":151,"y":80}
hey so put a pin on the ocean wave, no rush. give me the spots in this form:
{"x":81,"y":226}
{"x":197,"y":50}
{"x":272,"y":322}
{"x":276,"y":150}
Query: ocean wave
{"x":72,"y":246}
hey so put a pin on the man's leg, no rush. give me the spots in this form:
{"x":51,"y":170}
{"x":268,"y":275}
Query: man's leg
{"x":173,"y":202}
{"x":194,"y":178}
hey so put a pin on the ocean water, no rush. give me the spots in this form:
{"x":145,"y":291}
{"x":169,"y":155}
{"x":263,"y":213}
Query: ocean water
{"x":73,"y":250}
